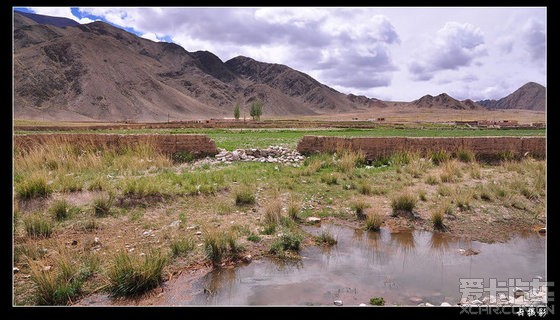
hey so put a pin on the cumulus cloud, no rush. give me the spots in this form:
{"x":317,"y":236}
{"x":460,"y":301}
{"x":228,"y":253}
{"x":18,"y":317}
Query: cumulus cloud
{"x":505,"y":44}
{"x":455,"y":45}
{"x":314,"y":40}
{"x":534,"y":39}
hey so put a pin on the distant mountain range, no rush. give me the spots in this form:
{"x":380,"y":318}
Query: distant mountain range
{"x":69,"y":71}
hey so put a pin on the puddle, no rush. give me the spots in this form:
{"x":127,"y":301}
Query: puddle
{"x":404,"y":268}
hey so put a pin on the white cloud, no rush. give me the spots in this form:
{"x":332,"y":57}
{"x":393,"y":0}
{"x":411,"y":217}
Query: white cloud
{"x":455,"y":45}
{"x":534,"y":39}
{"x":64,"y":12}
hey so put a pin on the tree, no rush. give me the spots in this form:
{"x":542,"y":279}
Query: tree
{"x":236,"y":112}
{"x":256,"y":110}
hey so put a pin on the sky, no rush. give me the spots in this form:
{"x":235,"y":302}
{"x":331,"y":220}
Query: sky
{"x":389,"y":53}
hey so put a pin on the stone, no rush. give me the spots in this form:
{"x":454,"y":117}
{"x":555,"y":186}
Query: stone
{"x":421,"y":304}
{"x":492,"y":299}
{"x":338,"y":302}
{"x":248,"y":258}
{"x":74,"y":242}
{"x":147,"y":233}
{"x":47,"y":268}
{"x":445,"y":304}
{"x":429,"y":304}
{"x":198,"y":233}
{"x":363,"y":305}
{"x":16,"y":269}
{"x":96,"y":240}
{"x":476,"y":302}
{"x":542,"y":230}
{"x":313,"y":219}
{"x":175,"y":224}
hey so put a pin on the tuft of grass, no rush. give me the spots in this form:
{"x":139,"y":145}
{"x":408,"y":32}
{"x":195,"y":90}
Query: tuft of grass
{"x":365,"y":188}
{"x":38,"y":226}
{"x":451,"y":172}
{"x":288,"y":241}
{"x":474,"y":170}
{"x":57,"y":286}
{"x":294,"y":206}
{"x":432,"y":180}
{"x":273,"y":212}
{"x":422,"y":195}
{"x":33,"y":187}
{"x":62,"y":210}
{"x":349,"y":160}
{"x":216,"y":246}
{"x":465,"y":155}
{"x":312,"y":165}
{"x":440,"y":156}
{"x":444,"y":191}
{"x":374,"y":222}
{"x":379,"y":191}
{"x":326,"y":238}
{"x":463,"y":198}
{"x":244,"y":196}
{"x":404,"y":202}
{"x":437,"y":219}
{"x":359,"y":207}
{"x":102,"y":205}
{"x":329,"y":178}
{"x":402,"y":158}
{"x":377,"y":301}
{"x":182,"y":246}
{"x":254,"y":238}
{"x":130,"y":276}
{"x":89,"y":225}
{"x":269,"y":229}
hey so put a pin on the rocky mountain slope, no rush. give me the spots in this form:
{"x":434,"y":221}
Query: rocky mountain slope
{"x":531,"y":96}
{"x":99,"y":72}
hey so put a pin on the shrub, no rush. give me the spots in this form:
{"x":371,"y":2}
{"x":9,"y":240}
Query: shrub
{"x":34,"y":187}
{"x":377,"y":301}
{"x":38,"y":226}
{"x":102,"y":205}
{"x":439,"y":157}
{"x":131,"y":276}
{"x":403,"y":202}
{"x":244,"y":196}
{"x":374,"y":222}
{"x":465,"y":155}
{"x":180,"y":247}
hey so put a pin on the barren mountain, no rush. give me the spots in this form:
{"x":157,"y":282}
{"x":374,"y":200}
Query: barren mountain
{"x":531,"y":96}
{"x":97,"y":71}
{"x":445,"y":101}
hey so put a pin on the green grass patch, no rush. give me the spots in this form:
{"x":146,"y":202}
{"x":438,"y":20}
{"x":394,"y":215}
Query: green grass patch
{"x":131,"y":275}
{"x":38,"y":226}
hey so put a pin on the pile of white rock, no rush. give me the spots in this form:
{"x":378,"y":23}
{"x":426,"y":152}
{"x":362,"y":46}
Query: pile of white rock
{"x":272,"y":154}
{"x":519,"y":297}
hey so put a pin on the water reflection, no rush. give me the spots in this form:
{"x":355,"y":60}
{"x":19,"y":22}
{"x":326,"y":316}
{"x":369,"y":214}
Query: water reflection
{"x":398,"y":266}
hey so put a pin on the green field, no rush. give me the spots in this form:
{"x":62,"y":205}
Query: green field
{"x":231,"y":139}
